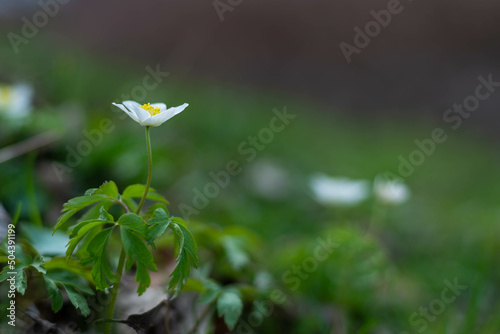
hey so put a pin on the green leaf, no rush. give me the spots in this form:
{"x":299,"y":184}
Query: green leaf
{"x":150,"y":211}
{"x":54,"y":294}
{"x":104,"y":215}
{"x":82,"y":229}
{"x":65,"y":277}
{"x":55,"y":281}
{"x":90,"y":192}
{"x":77,"y":300}
{"x":230,"y":305}
{"x":19,"y":272}
{"x":157,"y":225}
{"x":136,"y":249}
{"x":188,"y":243}
{"x":137,"y":191}
{"x":180,"y":274}
{"x":101,"y":272}
{"x":133,"y":222}
{"x":235,"y":252}
{"x":106,"y":191}
{"x":187,"y":250}
{"x":108,"y":188}
{"x":81,"y":202}
{"x":210,"y":294}
{"x":21,"y":281}
{"x":38,"y":263}
{"x":63,"y":219}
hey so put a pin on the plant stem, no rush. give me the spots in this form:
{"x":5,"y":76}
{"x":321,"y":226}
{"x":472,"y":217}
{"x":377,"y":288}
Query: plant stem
{"x":114,"y":293}
{"x":123,"y":255}
{"x":202,"y":317}
{"x":150,"y":171}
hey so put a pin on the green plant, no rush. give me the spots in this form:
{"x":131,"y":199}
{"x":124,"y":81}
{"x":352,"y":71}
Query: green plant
{"x":134,"y":228}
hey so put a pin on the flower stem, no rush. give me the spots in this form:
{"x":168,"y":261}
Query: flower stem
{"x":114,"y":293}
{"x":123,"y":255}
{"x":150,"y":171}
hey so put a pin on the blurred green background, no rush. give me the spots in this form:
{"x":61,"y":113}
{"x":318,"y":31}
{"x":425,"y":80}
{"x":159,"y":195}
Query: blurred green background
{"x":391,"y":261}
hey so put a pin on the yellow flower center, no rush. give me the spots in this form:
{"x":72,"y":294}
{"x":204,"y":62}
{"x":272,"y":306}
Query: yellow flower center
{"x":151,"y":110}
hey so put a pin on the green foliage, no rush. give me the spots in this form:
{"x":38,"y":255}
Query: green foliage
{"x":101,"y":271}
{"x":55,"y":280}
{"x":133,"y":222}
{"x":137,"y":250}
{"x":107,"y":191}
{"x":158,"y":223}
{"x":136,"y":191}
{"x":23,"y":264}
{"x":228,"y":300}
{"x":135,"y":232}
{"x":349,"y":266}
{"x":187,"y":255}
{"x":230,"y":305}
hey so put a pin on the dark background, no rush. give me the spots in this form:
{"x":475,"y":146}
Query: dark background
{"x":425,"y":60}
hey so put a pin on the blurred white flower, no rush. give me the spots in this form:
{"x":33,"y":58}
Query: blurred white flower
{"x":15,"y":100}
{"x":339,"y":190}
{"x":269,"y":180}
{"x":150,"y":114}
{"x":390,"y":191}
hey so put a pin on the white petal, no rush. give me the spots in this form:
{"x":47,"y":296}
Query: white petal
{"x":164,"y":116}
{"x":179,"y":109}
{"x":159,"y":119}
{"x":136,"y":108}
{"x":130,"y":113}
{"x":162,"y":106}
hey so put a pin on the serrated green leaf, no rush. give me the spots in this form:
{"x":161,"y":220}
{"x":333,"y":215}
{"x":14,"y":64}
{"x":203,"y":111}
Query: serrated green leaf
{"x":157,"y":225}
{"x":186,"y":242}
{"x":63,"y":219}
{"x":94,"y":212}
{"x":108,"y":188}
{"x":104,"y":215}
{"x":55,"y":281}
{"x":54,"y":293}
{"x":180,"y":273}
{"x":77,"y":300}
{"x":38,"y":263}
{"x":80,"y":202}
{"x":21,"y":281}
{"x":68,"y":278}
{"x":137,"y":191}
{"x":150,"y":211}
{"x":230,"y":305}
{"x":133,"y":222}
{"x":82,"y":229}
{"x":106,"y":191}
{"x":101,"y":272}
{"x":187,"y":250}
{"x":90,"y":192}
{"x":136,"y":249}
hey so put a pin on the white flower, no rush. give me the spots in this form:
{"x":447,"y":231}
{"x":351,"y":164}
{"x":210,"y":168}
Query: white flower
{"x":150,"y":114}
{"x":390,"y":191}
{"x":339,"y":191}
{"x":15,"y":100}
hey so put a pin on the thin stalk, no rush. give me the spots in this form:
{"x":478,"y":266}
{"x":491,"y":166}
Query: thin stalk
{"x":123,"y":255}
{"x":114,"y":293}
{"x":202,"y":317}
{"x":150,"y":171}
